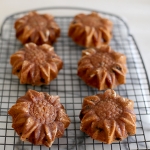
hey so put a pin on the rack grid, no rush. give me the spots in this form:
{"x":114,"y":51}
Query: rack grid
{"x":71,"y":88}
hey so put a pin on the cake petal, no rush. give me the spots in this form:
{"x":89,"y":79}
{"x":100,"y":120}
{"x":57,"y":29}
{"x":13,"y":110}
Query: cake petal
{"x":26,"y":67}
{"x":90,"y":100}
{"x":21,"y":107}
{"x":28,"y":128}
{"x":45,"y":72}
{"x":50,"y":132}
{"x":120,"y":130}
{"x":101,"y":76}
{"x":34,"y":95}
{"x":109,"y":127}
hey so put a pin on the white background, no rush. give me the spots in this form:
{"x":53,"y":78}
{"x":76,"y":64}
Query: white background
{"x":135,"y":12}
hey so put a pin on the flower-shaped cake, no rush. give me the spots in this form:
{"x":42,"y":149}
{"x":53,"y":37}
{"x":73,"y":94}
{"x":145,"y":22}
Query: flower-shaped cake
{"x":39,"y":118}
{"x":36,"y":65}
{"x":90,"y":30}
{"x":37,"y":28}
{"x":102,"y":68}
{"x":107,"y":117}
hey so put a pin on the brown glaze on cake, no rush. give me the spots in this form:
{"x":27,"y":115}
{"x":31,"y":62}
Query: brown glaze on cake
{"x":102,"y":68}
{"x":107,"y":117}
{"x":39,"y":118}
{"x":90,"y":30}
{"x":36,"y":65}
{"x":37,"y":28}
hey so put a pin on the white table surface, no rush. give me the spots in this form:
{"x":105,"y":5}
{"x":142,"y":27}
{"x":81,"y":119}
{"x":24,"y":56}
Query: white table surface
{"x":136,"y":13}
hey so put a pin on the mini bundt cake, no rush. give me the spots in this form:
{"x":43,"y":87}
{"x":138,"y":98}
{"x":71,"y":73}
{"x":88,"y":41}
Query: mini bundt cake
{"x":90,"y":30}
{"x":36,"y":65}
{"x":37,"y":28}
{"x":102,"y":68}
{"x":107,"y":117}
{"x":39,"y":118}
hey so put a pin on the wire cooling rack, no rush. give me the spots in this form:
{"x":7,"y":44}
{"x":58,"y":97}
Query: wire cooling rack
{"x":71,"y":89}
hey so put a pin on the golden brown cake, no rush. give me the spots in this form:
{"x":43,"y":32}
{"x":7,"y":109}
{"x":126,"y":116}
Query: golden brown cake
{"x":39,"y":118}
{"x":37,"y":28}
{"x":90,"y":30}
{"x":107,"y":117}
{"x":36,"y":65}
{"x":102,"y":68}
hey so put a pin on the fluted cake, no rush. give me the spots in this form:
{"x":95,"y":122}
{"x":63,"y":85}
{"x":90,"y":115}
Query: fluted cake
{"x":36,"y":65}
{"x":102,"y":68}
{"x":90,"y":30}
{"x":39,"y":118}
{"x":37,"y":28}
{"x":108,"y":117}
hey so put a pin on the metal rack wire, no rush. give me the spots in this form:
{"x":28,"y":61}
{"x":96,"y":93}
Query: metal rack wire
{"x":71,"y":89}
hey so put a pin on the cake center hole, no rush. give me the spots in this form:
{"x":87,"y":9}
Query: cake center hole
{"x":35,"y":55}
{"x":43,"y":111}
{"x":38,"y":22}
{"x":102,"y":60}
{"x":108,"y":110}
{"x":91,"y":21}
